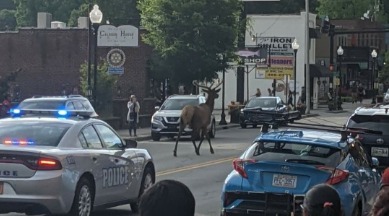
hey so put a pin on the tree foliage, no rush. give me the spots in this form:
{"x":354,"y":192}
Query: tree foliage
{"x":280,"y":7}
{"x":383,"y":74}
{"x":118,"y":12}
{"x":105,"y":85}
{"x":345,"y":9}
{"x":7,"y":20}
{"x":189,"y":35}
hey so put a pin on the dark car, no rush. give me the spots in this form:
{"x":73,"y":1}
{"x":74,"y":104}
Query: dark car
{"x":266,"y":110}
{"x":371,"y":126}
{"x":69,"y":102}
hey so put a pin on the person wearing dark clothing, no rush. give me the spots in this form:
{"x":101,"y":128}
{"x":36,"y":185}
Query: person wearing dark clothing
{"x":290,"y":101}
{"x":167,"y":198}
{"x":322,"y":200}
{"x":354,"y":90}
{"x":5,"y":106}
{"x":361,"y":93}
{"x":133,"y":114}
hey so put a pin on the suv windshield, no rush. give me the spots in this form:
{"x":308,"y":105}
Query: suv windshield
{"x":375,"y":122}
{"x":40,"y":104}
{"x":34,"y":133}
{"x":296,"y":153}
{"x":262,"y":102}
{"x":178,"y":104}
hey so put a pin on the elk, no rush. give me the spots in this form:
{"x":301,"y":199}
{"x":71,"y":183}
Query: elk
{"x":199,"y":117}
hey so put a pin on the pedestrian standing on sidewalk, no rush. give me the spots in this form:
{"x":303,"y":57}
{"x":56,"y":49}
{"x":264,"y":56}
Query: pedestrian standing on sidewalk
{"x":354,"y":90}
{"x":133,"y":114}
{"x":361,"y":92}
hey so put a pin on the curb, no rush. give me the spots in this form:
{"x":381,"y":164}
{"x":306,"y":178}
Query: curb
{"x":148,"y":137}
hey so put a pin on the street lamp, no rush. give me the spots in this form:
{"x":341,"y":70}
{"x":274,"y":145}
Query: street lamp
{"x":340,"y":52}
{"x":223,"y":115}
{"x":295,"y":47}
{"x":95,"y":16}
{"x":374,"y":57}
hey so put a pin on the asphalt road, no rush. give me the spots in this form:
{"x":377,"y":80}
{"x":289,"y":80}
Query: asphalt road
{"x":203,"y":174}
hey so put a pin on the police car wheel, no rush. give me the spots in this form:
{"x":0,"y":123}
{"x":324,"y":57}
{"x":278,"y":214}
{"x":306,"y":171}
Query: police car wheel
{"x":83,"y":199}
{"x":147,"y":181}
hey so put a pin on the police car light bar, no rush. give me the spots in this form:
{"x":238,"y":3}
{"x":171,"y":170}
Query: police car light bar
{"x":57,"y":113}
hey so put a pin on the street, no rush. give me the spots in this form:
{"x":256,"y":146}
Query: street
{"x":205,"y":174}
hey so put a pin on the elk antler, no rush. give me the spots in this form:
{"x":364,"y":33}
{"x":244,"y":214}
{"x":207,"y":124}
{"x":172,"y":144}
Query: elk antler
{"x":220,"y":82}
{"x":198,"y":85}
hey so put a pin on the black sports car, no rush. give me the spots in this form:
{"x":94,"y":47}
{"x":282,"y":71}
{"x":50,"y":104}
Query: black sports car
{"x":267,"y":110}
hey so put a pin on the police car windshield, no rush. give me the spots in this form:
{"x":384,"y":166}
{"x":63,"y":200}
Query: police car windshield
{"x":295,"y":153}
{"x":375,"y":123}
{"x":178,"y":104}
{"x":42,"y":104}
{"x":32,"y":134}
{"x":262,"y":103}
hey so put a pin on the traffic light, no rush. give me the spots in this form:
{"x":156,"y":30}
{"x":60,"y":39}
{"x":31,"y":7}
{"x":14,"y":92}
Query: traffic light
{"x":325,"y":25}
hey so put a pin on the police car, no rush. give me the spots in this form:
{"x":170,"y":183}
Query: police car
{"x":68,"y":164}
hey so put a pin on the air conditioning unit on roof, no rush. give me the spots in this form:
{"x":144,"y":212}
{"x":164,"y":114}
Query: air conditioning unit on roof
{"x":57,"y":24}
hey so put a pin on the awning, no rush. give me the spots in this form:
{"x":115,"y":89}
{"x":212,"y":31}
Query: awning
{"x":319,"y":71}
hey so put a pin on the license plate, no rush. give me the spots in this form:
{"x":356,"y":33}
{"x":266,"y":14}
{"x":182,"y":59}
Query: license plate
{"x":286,"y":181}
{"x":172,"y":127}
{"x":1,"y":187}
{"x":379,"y":152}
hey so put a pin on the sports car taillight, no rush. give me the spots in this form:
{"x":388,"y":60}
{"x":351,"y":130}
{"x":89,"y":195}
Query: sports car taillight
{"x":43,"y":163}
{"x":337,"y":175}
{"x":239,"y":164}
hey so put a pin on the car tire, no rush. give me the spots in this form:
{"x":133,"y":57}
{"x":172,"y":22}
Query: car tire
{"x":212,"y":132}
{"x":84,"y":195}
{"x":274,"y":126}
{"x":243,"y":125}
{"x":254,"y":126}
{"x":155,"y":136}
{"x":148,"y":180}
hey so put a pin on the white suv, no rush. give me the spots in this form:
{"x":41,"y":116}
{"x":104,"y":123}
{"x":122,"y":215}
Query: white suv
{"x":166,"y":119}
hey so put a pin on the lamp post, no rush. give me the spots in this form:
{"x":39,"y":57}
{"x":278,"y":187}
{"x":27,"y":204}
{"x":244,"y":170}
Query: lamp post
{"x":295,"y":47}
{"x":340,"y":52}
{"x":95,"y":16}
{"x":223,"y":115}
{"x":374,"y":57}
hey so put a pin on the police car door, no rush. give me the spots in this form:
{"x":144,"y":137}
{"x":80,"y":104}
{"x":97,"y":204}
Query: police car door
{"x":121,"y":176}
{"x":96,"y":161}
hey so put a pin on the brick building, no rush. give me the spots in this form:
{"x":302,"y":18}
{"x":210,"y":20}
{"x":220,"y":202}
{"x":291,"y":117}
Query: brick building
{"x":357,"y":61}
{"x":50,"y":61}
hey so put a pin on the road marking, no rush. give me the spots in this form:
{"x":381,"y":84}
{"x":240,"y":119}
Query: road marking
{"x":194,"y":166}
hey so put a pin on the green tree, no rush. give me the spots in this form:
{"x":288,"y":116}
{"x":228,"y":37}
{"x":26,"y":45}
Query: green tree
{"x":344,"y":9}
{"x":383,"y":74}
{"x":105,"y":86}
{"x":280,"y":7}
{"x":189,"y":35}
{"x":7,"y":20}
{"x":117,"y":12}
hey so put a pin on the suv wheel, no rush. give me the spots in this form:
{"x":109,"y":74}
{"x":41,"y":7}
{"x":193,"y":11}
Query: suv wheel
{"x":243,"y":125}
{"x":155,"y":136}
{"x":212,"y":132}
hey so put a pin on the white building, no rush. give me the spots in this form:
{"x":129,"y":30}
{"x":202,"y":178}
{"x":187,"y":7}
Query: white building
{"x":278,"y":31}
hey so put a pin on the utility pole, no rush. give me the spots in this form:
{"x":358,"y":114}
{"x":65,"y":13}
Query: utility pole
{"x":307,"y":72}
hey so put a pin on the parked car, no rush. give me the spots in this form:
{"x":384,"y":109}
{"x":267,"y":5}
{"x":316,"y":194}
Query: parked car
{"x":64,"y":162}
{"x":166,"y":119}
{"x":267,"y":110}
{"x":272,"y":176}
{"x":371,"y":126}
{"x":386,"y":97}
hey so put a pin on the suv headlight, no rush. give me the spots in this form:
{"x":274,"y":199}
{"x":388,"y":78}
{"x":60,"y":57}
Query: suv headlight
{"x":157,"y":118}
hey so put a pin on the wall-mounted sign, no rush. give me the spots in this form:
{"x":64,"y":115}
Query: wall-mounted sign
{"x":254,"y":56}
{"x":122,"y":36}
{"x":116,"y":57}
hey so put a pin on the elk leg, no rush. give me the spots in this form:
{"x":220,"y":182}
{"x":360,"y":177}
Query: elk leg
{"x":193,"y":138}
{"x":209,"y":141}
{"x":201,"y":139}
{"x":178,"y":137}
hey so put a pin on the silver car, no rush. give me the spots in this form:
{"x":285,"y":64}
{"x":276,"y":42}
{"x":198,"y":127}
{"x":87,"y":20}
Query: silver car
{"x":72,"y":165}
{"x":166,"y":119}
{"x":386,"y":97}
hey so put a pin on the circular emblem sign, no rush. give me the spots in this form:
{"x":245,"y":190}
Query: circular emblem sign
{"x":116,"y":57}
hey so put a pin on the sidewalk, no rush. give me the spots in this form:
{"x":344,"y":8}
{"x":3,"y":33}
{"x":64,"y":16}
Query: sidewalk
{"x":348,"y":109}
